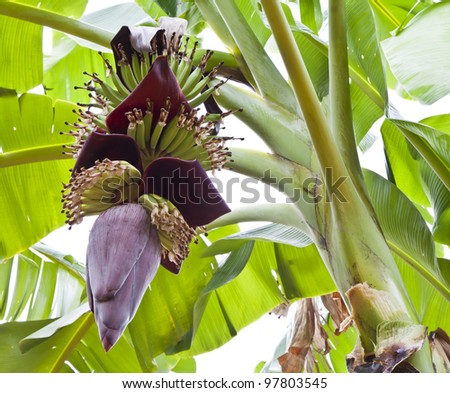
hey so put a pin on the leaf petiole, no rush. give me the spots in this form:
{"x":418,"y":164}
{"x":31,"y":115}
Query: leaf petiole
{"x":58,"y":22}
{"x":36,"y":154}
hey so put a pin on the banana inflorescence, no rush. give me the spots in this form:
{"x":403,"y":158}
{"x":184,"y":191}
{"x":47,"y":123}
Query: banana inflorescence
{"x":147,"y":112}
{"x":93,"y":190}
{"x":142,"y":148}
{"x":174,"y":233}
{"x":189,"y":135}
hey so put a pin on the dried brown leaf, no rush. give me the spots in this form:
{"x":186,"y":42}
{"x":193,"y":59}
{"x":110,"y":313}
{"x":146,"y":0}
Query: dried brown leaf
{"x":396,"y":342}
{"x":293,"y":361}
{"x":308,"y":338}
{"x":338,"y":312}
{"x":440,"y":350}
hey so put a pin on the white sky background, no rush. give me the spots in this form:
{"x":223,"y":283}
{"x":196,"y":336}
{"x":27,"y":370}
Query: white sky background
{"x":258,"y":341}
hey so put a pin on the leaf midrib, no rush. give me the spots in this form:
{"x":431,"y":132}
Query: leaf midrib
{"x":431,"y":278}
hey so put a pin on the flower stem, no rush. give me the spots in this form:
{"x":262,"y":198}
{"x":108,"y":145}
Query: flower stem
{"x":321,"y":136}
{"x":58,"y":22}
{"x":36,"y":154}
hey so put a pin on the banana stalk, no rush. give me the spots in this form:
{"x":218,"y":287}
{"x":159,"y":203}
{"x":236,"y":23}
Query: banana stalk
{"x":350,"y":240}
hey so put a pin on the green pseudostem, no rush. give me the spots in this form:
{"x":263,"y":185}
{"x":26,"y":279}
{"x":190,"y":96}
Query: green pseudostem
{"x":351,"y":242}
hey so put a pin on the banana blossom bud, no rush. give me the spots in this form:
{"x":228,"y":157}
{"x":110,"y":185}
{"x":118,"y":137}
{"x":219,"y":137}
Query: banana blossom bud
{"x":123,"y":255}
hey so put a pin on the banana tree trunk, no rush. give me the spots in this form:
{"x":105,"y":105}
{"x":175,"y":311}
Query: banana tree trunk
{"x":349,"y":239}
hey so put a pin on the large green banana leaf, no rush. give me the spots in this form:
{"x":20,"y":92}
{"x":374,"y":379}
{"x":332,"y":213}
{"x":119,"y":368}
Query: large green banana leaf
{"x":32,"y":168}
{"x":417,"y":65}
{"x":21,"y":56}
{"x":70,"y":57}
{"x":406,"y":232}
